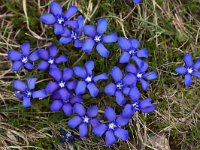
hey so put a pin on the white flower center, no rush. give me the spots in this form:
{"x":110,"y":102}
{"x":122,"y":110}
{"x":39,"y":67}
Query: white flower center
{"x":97,"y":38}
{"x":74,"y":35}
{"x":111,"y":126}
{"x":139,"y":75}
{"x":190,"y":70}
{"x":68,"y":135}
{"x":24,"y":59}
{"x":86,"y":119}
{"x":88,"y":79}
{"x":51,"y":61}
{"x":132,"y":52}
{"x":62,"y":84}
{"x":119,"y":86}
{"x":61,"y":20}
{"x":135,"y":106}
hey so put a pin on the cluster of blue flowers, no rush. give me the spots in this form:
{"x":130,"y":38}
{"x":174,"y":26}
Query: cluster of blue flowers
{"x":70,"y":84}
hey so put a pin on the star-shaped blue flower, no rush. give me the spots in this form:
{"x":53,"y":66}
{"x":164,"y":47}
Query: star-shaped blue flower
{"x":84,"y":118}
{"x":24,"y":91}
{"x":49,"y":58}
{"x":58,"y":19}
{"x":113,"y":128}
{"x":88,"y":79}
{"x":189,"y":69}
{"x":68,"y":36}
{"x":131,"y":49}
{"x":97,"y":37}
{"x":21,"y":60}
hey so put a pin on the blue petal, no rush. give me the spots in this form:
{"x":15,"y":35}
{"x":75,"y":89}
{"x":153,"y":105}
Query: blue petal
{"x":78,"y":43}
{"x":19,"y":85}
{"x":80,"y":22}
{"x":110,"y":114}
{"x":146,"y":106}
{"x":151,"y":75}
{"x":110,"y":138}
{"x":124,"y":58}
{"x":131,"y":68}
{"x":76,"y":99}
{"x":181,"y":70}
{"x":53,"y":50}
{"x":18,"y":95}
{"x":196,"y":73}
{"x":83,"y":130}
{"x":93,"y":89}
{"x":138,"y":61}
{"x":110,"y":38}
{"x":72,"y":23}
{"x":80,"y":88}
{"x":56,"y":105}
{"x":55,"y":8}
{"x":102,"y":50}
{"x":26,"y":102}
{"x":80,"y":72}
{"x":95,"y":122}
{"x":29,"y":66}
{"x":61,"y":59}
{"x":145,"y":84}
{"x":137,"y":1}
{"x":67,"y":74}
{"x":31,"y":83}
{"x":51,"y":87}
{"x":14,"y":55}
{"x":65,"y":40}
{"x":71,"y":85}
{"x":121,"y":100}
{"x":88,"y":45}
{"x":43,"y":65}
{"x":121,"y":134}
{"x":89,"y":30}
{"x":58,"y":29}
{"x":134,"y":43}
{"x":121,"y":121}
{"x":110,"y":89}
{"x":102,"y":76}
{"x":197,"y":64}
{"x":134,"y":94}
{"x":17,"y":66}
{"x":66,"y":32}
{"x":25,"y":49}
{"x":79,"y":109}
{"x":89,"y":65}
{"x":188,"y":60}
{"x":143,"y":67}
{"x":102,"y":25}
{"x":39,"y":94}
{"x":116,"y":74}
{"x":43,"y":53}
{"x":56,"y":74}
{"x":124,"y":43}
{"x":63,"y":94}
{"x":67,"y":109}
{"x":100,"y":130}
{"x":143,"y":53}
{"x":48,"y":19}
{"x":74,"y":121}
{"x":188,"y":80}
{"x":34,"y":56}
{"x":128,"y":111}
{"x":92,"y":111}
{"x":71,"y":12}
{"x":130,"y":79}
{"x":126,"y":90}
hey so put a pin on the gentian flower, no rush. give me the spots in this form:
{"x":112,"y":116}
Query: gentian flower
{"x":84,"y":118}
{"x":120,"y":86}
{"x":21,"y":60}
{"x":58,"y":19}
{"x":67,"y":136}
{"x":60,"y":89}
{"x":130,"y":49}
{"x":97,"y":36}
{"x":88,"y":79}
{"x":49,"y":58}
{"x":113,"y":128}
{"x":25,"y":91}
{"x":137,"y":1}
{"x":74,"y":35}
{"x":189,"y":69}
{"x":141,"y":74}
{"x":66,"y":104}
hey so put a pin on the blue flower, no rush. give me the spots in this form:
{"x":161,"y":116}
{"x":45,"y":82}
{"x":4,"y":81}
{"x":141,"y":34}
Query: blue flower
{"x":137,"y":1}
{"x":88,"y":79}
{"x":49,"y":58}
{"x":189,"y":69}
{"x":97,"y":36}
{"x":63,"y":85}
{"x":67,"y":136}
{"x":84,"y":118}
{"x":113,"y":128}
{"x":144,"y":106}
{"x":66,"y":104}
{"x":130,"y":49}
{"x":58,"y":19}
{"x":74,"y":35}
{"x":24,"y":91}
{"x":120,"y":86}
{"x":21,"y":60}
{"x":141,"y":74}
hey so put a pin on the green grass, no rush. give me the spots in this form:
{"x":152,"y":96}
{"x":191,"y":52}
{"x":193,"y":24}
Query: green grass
{"x":167,"y":28}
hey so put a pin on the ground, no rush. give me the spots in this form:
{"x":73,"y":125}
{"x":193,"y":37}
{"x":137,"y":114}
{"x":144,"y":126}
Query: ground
{"x":167,"y":28}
